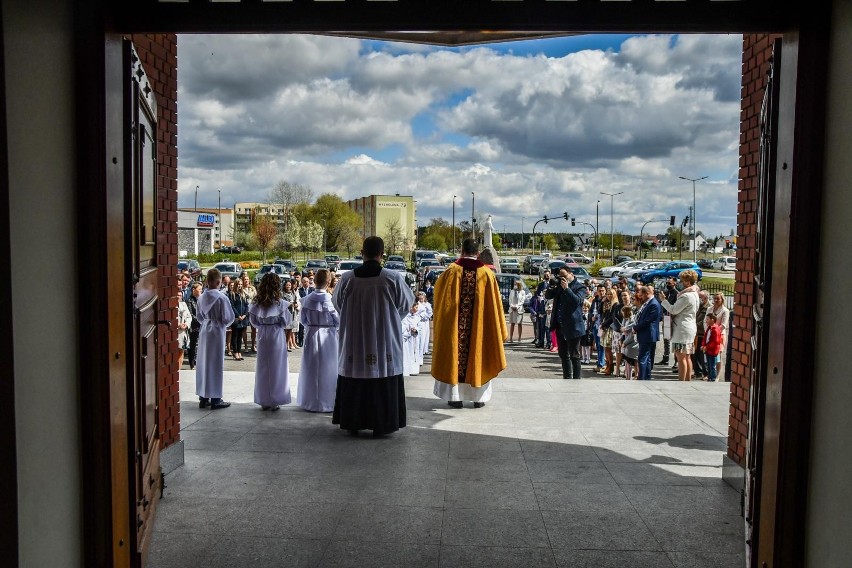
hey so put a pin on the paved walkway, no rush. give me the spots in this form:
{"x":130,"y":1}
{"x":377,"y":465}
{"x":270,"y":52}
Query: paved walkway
{"x":591,"y":473}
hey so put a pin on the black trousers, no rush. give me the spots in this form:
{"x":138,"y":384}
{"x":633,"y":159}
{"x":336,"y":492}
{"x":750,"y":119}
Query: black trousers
{"x":569,"y":354}
{"x":237,"y":339}
{"x":193,"y":345}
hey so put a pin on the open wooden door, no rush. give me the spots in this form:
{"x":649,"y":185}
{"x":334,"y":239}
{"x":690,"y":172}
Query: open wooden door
{"x":143,"y":278}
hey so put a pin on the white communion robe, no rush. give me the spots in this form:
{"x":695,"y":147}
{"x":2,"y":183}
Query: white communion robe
{"x":318,"y":375}
{"x":410,"y":324}
{"x":271,"y":375}
{"x":215,"y":314}
{"x":424,"y":310}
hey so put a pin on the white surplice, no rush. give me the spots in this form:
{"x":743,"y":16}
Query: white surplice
{"x":370,"y":332}
{"x":215,"y":314}
{"x":410,"y":325}
{"x":271,"y":375}
{"x":424,"y":310}
{"x":318,"y":375}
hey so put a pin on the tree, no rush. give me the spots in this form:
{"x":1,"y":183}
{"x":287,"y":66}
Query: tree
{"x":549,"y":241}
{"x":286,"y":195}
{"x":394,"y":237}
{"x":311,"y":236}
{"x":333,"y":213}
{"x":349,"y":238}
{"x":496,"y":241}
{"x":264,"y":232}
{"x":433,"y":241}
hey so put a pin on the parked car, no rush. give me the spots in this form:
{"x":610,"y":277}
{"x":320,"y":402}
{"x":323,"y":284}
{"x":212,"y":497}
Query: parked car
{"x":395,"y":265}
{"x":395,"y":258}
{"x":646,"y":265}
{"x":554,"y":265}
{"x":449,"y":259}
{"x":671,"y":269}
{"x":705,"y":263}
{"x":419,"y":255}
{"x":192,"y":266}
{"x":333,"y":260}
{"x":288,"y":264}
{"x":312,"y":265}
{"x":608,"y":271}
{"x":347,"y":265}
{"x":579,"y":258}
{"x":622,"y":258}
{"x":230,"y":269}
{"x":266,"y":269}
{"x":425,"y":265}
{"x":531,"y":262}
{"x":510,"y":266}
{"x":229,"y":250}
{"x":725,"y":263}
{"x":506,"y":282}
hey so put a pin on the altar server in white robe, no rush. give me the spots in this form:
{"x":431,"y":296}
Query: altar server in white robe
{"x":371,"y":302}
{"x":270,"y":315}
{"x":215,"y":314}
{"x":410,"y":343}
{"x":318,"y":376}
{"x":424,"y":309}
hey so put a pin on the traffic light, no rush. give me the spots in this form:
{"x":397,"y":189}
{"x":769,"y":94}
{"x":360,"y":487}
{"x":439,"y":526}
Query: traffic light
{"x":573,"y":222}
{"x":545,"y":219}
{"x":671,"y":221}
{"x":565,"y":215}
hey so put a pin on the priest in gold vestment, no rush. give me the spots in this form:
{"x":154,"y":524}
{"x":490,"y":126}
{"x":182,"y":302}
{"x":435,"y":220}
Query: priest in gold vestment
{"x":469,"y":331}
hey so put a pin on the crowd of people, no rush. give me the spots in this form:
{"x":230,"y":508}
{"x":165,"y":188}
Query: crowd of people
{"x":362,"y":333}
{"x":616,"y":329}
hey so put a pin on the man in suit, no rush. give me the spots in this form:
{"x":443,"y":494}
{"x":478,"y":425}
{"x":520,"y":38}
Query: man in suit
{"x":568,"y":295}
{"x":647,"y":329}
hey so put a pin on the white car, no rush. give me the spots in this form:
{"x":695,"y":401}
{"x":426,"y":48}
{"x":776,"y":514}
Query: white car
{"x":610,"y":271}
{"x":725,"y":263}
{"x":578,"y":258}
{"x":347,"y":265}
{"x":633,"y":271}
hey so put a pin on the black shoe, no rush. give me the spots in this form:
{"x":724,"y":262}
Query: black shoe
{"x":478,"y":404}
{"x":456,"y":404}
{"x":665,"y":361}
{"x":203,"y":402}
{"x":219,"y":404}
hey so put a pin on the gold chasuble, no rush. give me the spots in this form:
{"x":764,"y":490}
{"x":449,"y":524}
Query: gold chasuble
{"x":469,"y":325}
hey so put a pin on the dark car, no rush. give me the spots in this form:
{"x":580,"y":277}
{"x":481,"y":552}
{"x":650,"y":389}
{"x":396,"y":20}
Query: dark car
{"x":266,"y":269}
{"x":333,"y":261}
{"x":506,"y":282}
{"x":395,"y":258}
{"x":395,"y":265}
{"x":670,"y":269}
{"x":229,"y":250}
{"x":510,"y":266}
{"x":531,"y":262}
{"x":313,"y":265}
{"x":230,"y":269}
{"x":554,"y":265}
{"x":623,"y":258}
{"x":705,"y":263}
{"x":288,"y":264}
{"x":190,"y":265}
{"x":449,"y":259}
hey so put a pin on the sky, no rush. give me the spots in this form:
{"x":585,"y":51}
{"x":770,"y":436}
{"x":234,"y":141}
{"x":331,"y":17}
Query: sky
{"x":532,"y":128}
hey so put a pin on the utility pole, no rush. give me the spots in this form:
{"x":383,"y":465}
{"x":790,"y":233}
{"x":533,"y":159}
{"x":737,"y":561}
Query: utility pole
{"x":454,"y":224}
{"x":694,"y":248}
{"x":473,"y":215}
{"x":196,"y":199}
{"x":219,"y":217}
{"x":522,"y":233}
{"x":597,"y":224}
{"x":611,"y":239}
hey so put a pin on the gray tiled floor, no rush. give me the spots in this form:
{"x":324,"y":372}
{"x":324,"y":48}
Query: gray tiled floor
{"x":551,"y":473}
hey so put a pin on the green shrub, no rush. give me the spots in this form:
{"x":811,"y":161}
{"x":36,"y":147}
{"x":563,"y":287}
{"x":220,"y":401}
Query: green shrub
{"x":595,"y":268}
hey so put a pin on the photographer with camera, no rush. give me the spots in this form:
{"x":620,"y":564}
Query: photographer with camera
{"x":567,"y":294}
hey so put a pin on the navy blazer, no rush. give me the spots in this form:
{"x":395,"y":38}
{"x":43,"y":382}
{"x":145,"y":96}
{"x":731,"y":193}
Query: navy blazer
{"x":569,"y":302}
{"x":647,"y":326}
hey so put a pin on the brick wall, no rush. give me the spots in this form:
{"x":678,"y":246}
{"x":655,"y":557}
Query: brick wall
{"x":158,"y":53}
{"x":757,"y":50}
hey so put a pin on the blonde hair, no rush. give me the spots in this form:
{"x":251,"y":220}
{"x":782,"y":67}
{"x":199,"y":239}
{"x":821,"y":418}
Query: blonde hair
{"x":690,"y":276}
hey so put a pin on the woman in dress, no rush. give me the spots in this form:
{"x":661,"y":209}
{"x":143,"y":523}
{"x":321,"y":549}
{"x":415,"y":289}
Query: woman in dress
{"x":516,"y":310}
{"x":608,"y":307}
{"x":292,"y":298}
{"x":270,"y":314}
{"x":683,"y":313}
{"x":318,"y":377}
{"x":240,"y":304}
{"x":184,"y":322}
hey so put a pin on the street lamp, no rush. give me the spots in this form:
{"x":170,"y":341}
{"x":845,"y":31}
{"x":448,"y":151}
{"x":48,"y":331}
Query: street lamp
{"x":219,"y":217}
{"x":454,"y":224}
{"x":642,"y":232}
{"x":611,"y":239}
{"x":473,"y":215}
{"x":522,"y":233}
{"x":694,"y":236}
{"x":196,"y":199}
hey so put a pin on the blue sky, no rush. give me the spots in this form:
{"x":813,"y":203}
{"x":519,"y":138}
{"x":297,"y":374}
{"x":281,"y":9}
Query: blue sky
{"x":529,"y":126}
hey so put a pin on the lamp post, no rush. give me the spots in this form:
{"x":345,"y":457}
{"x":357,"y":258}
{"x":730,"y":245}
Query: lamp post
{"x":611,"y":239}
{"x":642,"y":232}
{"x":597,"y":224}
{"x":473,"y":215}
{"x":522,"y":233}
{"x":219,"y":217}
{"x":196,"y":199}
{"x":694,"y":236}
{"x":454,"y":224}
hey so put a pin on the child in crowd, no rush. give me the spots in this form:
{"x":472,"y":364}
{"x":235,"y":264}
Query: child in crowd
{"x":711,"y":345}
{"x":629,"y":345}
{"x":587,"y":340}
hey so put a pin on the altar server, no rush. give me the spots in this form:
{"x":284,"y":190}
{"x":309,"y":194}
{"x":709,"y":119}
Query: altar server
{"x":318,"y":377}
{"x":270,"y":314}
